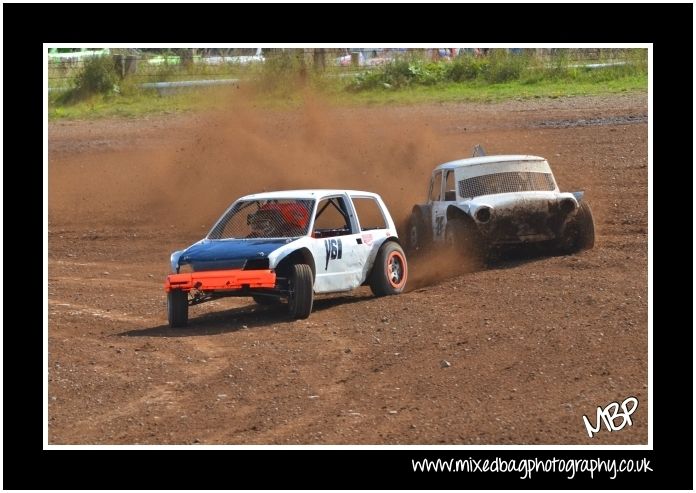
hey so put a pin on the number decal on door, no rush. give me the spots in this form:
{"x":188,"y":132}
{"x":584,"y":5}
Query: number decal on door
{"x":439,"y":224}
{"x":334,"y":250}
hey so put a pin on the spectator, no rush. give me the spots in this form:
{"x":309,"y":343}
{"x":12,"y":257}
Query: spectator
{"x":443,"y":53}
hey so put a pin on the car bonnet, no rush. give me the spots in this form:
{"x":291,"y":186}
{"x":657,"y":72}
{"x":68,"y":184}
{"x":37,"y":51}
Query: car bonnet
{"x":229,"y":253}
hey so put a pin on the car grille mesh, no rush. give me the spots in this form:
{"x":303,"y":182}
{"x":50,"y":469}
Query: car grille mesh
{"x":506,"y":182}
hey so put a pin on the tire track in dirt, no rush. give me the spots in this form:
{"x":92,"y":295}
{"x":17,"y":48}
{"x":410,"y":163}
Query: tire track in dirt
{"x":533,"y":343}
{"x":106,"y":281}
{"x":74,"y":309}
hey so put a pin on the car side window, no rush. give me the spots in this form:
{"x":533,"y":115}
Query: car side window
{"x":436,"y":186}
{"x":369,"y":213}
{"x":450,"y":190}
{"x":332,"y":218}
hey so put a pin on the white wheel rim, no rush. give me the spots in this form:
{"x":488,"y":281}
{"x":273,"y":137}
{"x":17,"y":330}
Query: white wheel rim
{"x":395,"y":270}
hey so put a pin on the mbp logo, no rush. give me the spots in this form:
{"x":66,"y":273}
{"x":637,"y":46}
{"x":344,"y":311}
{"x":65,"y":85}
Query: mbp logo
{"x":609,"y":414}
{"x":334,"y":250}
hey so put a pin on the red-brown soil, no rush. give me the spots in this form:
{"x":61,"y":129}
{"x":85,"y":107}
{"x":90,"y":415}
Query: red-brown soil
{"x":534,"y":343}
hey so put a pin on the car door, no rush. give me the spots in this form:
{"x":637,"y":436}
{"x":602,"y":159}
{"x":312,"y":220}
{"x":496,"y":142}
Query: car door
{"x":373,"y":230}
{"x":439,"y":206}
{"x":335,"y":233}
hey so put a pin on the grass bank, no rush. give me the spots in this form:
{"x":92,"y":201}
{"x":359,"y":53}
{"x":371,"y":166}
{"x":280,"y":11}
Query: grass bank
{"x":283,"y":82}
{"x":130,"y":105}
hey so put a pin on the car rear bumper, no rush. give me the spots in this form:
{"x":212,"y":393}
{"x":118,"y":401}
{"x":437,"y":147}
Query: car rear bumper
{"x":527,"y":221}
{"x":221,"y":280}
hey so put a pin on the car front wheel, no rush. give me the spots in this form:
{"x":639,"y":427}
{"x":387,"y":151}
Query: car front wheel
{"x":585,"y":228}
{"x":579,"y":233}
{"x":301,"y":291}
{"x":463,"y":238}
{"x":177,"y":308}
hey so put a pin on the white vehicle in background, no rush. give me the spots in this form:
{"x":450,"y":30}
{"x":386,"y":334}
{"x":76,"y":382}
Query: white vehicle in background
{"x":238,"y":56}
{"x":73,"y":55}
{"x":241,"y":56}
{"x":479,"y":203}
{"x":288,"y":246}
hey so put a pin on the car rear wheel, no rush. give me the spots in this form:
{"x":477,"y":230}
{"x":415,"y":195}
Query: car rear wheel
{"x":301,"y":288}
{"x":418,"y":238}
{"x":177,"y":308}
{"x":390,"y":270}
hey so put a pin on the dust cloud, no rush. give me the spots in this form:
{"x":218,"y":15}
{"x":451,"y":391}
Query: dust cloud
{"x":437,"y":264}
{"x":241,"y":150}
{"x":182,"y":176}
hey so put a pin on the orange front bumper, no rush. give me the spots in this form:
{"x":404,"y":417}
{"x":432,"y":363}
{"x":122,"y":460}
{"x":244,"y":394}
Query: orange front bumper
{"x":223,"y":280}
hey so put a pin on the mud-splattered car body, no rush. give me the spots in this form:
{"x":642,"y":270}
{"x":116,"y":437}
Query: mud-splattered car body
{"x":290,"y":245}
{"x":489,"y":201}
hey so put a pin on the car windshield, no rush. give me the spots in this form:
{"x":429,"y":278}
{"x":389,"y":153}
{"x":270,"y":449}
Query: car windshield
{"x":269,"y":218}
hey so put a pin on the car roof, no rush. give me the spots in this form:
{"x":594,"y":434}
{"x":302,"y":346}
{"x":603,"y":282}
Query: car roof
{"x":317,"y":193}
{"x":487,"y":160}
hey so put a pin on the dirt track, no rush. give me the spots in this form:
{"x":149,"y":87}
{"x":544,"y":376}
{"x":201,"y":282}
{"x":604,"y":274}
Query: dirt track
{"x":534,"y":343}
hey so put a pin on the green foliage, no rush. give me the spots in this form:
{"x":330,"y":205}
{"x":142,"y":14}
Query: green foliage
{"x":499,"y":67}
{"x":465,"y":68}
{"x":285,"y":79}
{"x":557,"y":67}
{"x":165,"y":71}
{"x":98,"y":76}
{"x":401,"y":73}
{"x":503,"y":66}
{"x":283,"y":71}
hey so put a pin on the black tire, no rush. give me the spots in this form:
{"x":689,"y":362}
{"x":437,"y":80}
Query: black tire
{"x":585,"y":228}
{"x":418,"y":238}
{"x":266,"y":300}
{"x":390,"y":271}
{"x":177,"y":308}
{"x":579,"y":233}
{"x":301,"y":287}
{"x":463,"y":238}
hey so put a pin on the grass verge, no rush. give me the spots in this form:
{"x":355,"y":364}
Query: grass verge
{"x":283,"y":82}
{"x":142,"y":103}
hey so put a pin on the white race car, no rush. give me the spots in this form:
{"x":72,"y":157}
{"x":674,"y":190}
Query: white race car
{"x":489,"y":201}
{"x":290,"y":245}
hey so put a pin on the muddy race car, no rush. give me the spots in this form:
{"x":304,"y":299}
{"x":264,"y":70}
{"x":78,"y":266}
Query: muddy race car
{"x":288,"y":246}
{"x":480,"y":203}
